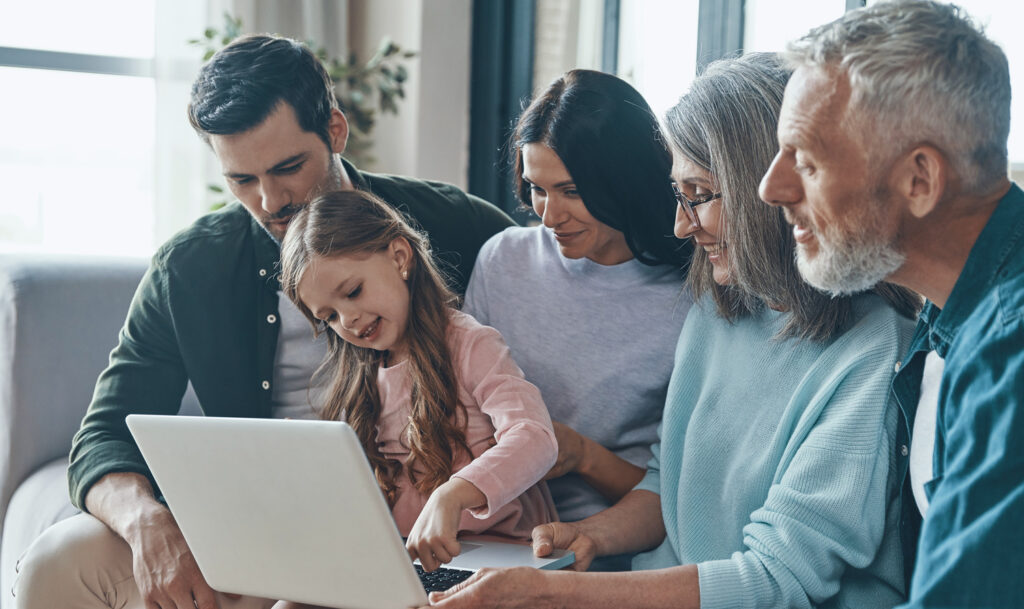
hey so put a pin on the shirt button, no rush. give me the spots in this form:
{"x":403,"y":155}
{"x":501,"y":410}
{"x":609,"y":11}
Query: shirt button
{"x":897,"y":366}
{"x":265,"y":384}
{"x":904,"y":450}
{"x":271,"y":318}
{"x":263,"y":272}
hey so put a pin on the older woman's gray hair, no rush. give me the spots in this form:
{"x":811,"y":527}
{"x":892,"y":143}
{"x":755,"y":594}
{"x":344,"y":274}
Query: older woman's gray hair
{"x":727,"y":124}
{"x":921,"y":72}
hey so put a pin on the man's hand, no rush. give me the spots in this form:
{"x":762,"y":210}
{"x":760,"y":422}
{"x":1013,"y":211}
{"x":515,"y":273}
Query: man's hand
{"x":522,"y":587}
{"x":432,"y":538}
{"x":571,"y":451}
{"x":165,"y":571}
{"x":565,"y":536}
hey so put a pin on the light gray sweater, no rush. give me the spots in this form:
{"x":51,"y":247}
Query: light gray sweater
{"x":597,"y":340}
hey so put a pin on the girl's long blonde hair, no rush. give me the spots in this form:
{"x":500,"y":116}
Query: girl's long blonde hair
{"x":355,"y":222}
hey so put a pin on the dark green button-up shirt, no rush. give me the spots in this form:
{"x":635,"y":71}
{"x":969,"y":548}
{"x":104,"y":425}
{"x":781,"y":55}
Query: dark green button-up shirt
{"x":206,"y":312}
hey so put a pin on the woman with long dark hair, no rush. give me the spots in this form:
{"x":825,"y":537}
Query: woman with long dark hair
{"x":590,"y":301}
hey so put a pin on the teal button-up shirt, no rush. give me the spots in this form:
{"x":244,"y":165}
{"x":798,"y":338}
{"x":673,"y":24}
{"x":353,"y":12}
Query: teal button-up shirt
{"x":971,"y":548}
{"x":206,"y":313}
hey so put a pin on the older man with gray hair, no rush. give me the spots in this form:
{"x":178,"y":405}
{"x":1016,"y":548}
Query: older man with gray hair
{"x":893,"y":166}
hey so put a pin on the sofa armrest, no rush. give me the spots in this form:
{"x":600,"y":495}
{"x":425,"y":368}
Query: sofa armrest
{"x":59,"y":320}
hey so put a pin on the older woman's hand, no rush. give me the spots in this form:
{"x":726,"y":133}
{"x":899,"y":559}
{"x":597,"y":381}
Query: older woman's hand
{"x":518,"y":588}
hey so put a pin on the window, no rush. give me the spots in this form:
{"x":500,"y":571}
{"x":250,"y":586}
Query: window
{"x":77,"y":162}
{"x":115,"y":28}
{"x":88,"y":166}
{"x":658,"y":49}
{"x":767,"y":28}
{"x":1001,"y":21}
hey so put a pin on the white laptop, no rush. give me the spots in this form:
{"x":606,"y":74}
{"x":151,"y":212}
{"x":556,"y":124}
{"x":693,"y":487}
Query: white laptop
{"x":291,"y":510}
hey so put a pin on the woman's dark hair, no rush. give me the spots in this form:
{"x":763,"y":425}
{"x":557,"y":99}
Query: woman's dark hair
{"x":727,"y":125}
{"x":245,"y":81}
{"x":609,"y":141}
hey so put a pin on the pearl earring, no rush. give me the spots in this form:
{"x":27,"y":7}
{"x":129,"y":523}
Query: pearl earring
{"x":405,"y":274}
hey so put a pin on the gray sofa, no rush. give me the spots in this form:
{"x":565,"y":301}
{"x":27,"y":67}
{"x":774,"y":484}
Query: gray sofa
{"x":59,"y":319}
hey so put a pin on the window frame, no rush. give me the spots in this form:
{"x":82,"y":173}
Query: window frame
{"x":40,"y":59}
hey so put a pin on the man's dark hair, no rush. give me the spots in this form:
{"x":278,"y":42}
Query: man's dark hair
{"x":609,"y":141}
{"x":245,"y":81}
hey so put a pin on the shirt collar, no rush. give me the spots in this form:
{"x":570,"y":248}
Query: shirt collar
{"x":998,"y":241}
{"x":268,"y":249}
{"x":356,"y":176}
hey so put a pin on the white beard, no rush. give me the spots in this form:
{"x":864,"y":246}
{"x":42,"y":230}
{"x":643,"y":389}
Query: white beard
{"x":848,"y":266}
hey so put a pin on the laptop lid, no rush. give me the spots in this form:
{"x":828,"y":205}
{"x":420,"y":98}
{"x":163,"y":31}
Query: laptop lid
{"x":291,"y":510}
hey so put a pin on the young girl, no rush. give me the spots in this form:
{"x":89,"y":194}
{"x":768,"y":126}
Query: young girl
{"x":457,"y":438}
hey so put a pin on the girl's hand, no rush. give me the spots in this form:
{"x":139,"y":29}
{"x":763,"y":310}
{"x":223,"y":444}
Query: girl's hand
{"x":571,"y":451}
{"x":432,"y":538}
{"x":565,"y":536}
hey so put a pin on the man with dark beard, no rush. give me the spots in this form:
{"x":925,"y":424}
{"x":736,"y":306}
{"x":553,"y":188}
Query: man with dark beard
{"x":210,"y":312}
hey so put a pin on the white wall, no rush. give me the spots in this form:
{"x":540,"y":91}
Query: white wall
{"x":430,"y":136}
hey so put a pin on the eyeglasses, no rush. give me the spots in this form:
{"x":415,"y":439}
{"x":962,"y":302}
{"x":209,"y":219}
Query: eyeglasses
{"x":689,"y":204}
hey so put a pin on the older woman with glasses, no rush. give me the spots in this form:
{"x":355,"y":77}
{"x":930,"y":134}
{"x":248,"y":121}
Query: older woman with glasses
{"x":770,"y":485}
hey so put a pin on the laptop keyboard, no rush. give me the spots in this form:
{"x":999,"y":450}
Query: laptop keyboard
{"x":441,"y":579}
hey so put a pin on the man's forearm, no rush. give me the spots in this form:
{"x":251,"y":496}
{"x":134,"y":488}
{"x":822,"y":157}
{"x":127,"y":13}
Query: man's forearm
{"x":124,"y":502}
{"x":608,"y":473}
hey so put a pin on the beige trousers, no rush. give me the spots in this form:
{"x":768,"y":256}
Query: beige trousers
{"x":79,"y":563}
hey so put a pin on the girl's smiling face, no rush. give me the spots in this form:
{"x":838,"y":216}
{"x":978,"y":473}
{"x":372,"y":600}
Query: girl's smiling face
{"x":362,"y":297}
{"x":694,"y":182}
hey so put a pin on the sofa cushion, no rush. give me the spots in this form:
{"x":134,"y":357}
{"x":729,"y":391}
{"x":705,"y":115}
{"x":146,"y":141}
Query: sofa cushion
{"x":39,"y":502}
